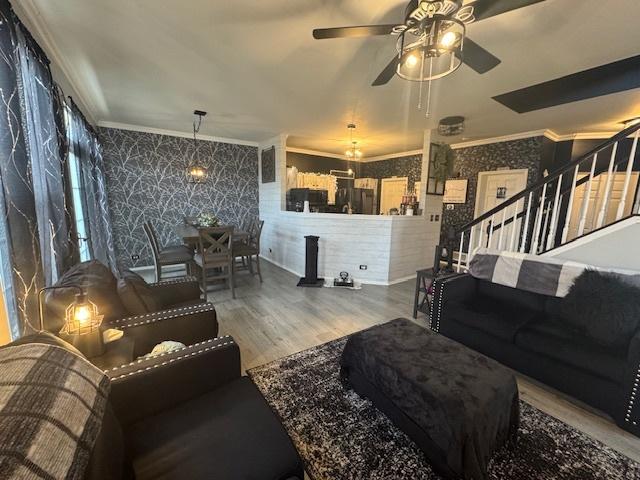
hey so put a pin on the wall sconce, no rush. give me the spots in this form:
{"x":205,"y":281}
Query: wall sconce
{"x":81,"y":322}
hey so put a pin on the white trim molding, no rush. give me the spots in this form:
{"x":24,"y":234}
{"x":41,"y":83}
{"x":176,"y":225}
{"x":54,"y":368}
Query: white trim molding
{"x":174,"y":133}
{"x":37,"y":25}
{"x":550,"y":134}
{"x":317,"y":153}
{"x":392,"y":155}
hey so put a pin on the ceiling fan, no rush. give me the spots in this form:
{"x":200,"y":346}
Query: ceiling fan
{"x":432,"y":41}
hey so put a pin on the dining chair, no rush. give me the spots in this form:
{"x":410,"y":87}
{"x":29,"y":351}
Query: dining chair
{"x":166,"y":255}
{"x":250,"y":248}
{"x":215,"y":253}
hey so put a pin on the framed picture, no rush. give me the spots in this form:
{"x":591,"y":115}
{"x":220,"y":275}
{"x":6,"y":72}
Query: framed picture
{"x":268,"y":162}
{"x":455,"y":191}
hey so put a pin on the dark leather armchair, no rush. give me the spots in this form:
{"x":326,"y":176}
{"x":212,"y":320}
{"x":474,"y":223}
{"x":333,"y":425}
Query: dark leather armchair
{"x":173,"y":308}
{"x":189,"y":414}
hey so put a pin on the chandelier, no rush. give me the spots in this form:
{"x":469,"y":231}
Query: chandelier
{"x":196,"y":171}
{"x":353,"y":152}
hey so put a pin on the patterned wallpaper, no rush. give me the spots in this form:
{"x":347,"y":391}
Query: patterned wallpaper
{"x":146,"y":182}
{"x":525,"y":153}
{"x":409,"y":166}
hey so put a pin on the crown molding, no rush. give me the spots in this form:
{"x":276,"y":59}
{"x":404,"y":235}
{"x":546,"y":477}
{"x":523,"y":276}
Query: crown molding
{"x":360,"y":160}
{"x":392,"y":155}
{"x":550,"y":134}
{"x":317,"y":153}
{"x":175,"y":133}
{"x":506,"y":138}
{"x":36,"y":22}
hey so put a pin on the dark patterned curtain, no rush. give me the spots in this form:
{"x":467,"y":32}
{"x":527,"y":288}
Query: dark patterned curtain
{"x":21,"y":265}
{"x":38,"y":95}
{"x":83,"y":143}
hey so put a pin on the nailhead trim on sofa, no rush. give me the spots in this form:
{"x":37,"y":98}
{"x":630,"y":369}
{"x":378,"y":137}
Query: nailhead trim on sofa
{"x":162,"y":315}
{"x":632,"y":398}
{"x":170,"y":360}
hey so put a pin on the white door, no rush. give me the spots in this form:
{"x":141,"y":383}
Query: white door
{"x":597,"y":199}
{"x":495,"y":188}
{"x":391,"y":193}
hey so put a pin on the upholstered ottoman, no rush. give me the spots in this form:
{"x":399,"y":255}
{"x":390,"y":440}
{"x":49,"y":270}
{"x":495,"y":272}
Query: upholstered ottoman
{"x":457,"y":405}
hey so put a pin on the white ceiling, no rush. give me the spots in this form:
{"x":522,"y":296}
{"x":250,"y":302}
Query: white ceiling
{"x":254,"y":66}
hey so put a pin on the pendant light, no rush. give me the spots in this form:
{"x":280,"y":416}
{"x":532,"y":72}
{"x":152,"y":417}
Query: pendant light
{"x":196,"y":170}
{"x":353,"y":152}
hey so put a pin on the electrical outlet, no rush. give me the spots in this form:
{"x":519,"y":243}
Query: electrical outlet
{"x":363,"y":267}
{"x":135,"y":257}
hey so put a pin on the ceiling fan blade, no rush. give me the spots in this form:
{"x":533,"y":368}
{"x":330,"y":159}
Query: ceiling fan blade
{"x":603,"y":80}
{"x":490,"y":8}
{"x":349,"y":32}
{"x":478,"y":58}
{"x":386,"y":74}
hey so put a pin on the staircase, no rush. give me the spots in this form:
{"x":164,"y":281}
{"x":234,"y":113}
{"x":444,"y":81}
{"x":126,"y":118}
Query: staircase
{"x":587,"y":195}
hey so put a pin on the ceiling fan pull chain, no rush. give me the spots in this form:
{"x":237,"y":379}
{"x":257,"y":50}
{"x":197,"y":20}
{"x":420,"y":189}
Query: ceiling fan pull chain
{"x":428,"y":112}
{"x":421,"y":83}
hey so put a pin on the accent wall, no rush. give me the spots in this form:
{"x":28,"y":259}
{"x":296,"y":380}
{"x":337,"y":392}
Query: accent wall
{"x":516,"y":154}
{"x":146,"y":182}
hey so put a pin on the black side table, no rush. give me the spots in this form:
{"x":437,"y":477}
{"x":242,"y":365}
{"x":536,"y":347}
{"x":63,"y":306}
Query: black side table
{"x":424,"y":280}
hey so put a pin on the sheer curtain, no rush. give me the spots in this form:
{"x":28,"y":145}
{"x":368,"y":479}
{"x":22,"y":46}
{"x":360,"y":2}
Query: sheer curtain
{"x":84,"y":146}
{"x":41,"y":126}
{"x":21,"y":265}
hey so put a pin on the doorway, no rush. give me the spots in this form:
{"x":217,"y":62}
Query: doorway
{"x":391,"y":193}
{"x":493,"y":189}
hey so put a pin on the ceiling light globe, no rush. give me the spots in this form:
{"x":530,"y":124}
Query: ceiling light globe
{"x":411,"y":61}
{"x":448,"y":39}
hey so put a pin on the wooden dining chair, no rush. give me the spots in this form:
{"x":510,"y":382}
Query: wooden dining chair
{"x":251,"y":248}
{"x":166,"y":255}
{"x":215,"y":252}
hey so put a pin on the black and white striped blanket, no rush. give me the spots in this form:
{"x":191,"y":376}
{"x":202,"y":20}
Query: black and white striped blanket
{"x":52,"y":403}
{"x":533,"y":273}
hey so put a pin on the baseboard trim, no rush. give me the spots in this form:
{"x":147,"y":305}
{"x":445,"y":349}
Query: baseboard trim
{"x":364,"y":282}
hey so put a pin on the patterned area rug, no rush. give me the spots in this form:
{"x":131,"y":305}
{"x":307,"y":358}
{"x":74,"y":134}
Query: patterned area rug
{"x":341,"y":436}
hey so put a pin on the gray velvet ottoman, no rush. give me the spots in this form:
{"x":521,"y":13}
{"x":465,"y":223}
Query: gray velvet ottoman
{"x":457,"y":405}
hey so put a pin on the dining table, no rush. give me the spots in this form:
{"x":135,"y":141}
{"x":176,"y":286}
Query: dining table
{"x":190,"y":234}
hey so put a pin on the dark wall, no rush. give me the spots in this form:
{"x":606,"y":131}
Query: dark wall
{"x":146,"y":182}
{"x":409,"y":166}
{"x":318,"y":164}
{"x":516,"y":154}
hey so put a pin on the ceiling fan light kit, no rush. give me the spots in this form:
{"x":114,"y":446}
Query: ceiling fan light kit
{"x":432,"y":42}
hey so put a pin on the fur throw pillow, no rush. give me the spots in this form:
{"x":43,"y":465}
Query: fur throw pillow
{"x":604,"y":307}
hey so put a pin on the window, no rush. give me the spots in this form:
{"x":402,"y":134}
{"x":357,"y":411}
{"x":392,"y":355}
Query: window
{"x":77,"y":195}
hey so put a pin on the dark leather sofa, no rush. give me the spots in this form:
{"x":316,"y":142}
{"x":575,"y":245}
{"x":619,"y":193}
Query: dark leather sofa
{"x":187,"y":414}
{"x":523,"y":330}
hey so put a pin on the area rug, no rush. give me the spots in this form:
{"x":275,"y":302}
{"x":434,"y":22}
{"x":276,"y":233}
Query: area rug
{"x":341,"y":436}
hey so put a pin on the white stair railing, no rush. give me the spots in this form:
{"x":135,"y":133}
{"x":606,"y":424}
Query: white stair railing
{"x":561,"y":207}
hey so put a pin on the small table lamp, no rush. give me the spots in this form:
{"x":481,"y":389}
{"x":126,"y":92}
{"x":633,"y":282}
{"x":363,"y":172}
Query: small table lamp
{"x":81,"y":323}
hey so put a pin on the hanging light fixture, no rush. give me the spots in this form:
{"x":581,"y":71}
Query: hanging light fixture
{"x":435,"y":48}
{"x":196,"y":170}
{"x":353,"y":152}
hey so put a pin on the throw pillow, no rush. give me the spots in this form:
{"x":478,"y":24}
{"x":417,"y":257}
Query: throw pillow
{"x":136,"y":295}
{"x":604,"y":307}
